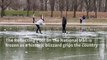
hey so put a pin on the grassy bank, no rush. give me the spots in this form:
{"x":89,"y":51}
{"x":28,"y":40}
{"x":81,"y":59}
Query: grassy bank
{"x":17,"y":13}
{"x":50,"y":20}
{"x":16,"y":16}
{"x":55,"y":14}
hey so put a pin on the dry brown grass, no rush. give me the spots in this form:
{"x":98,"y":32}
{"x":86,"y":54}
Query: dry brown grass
{"x":102,"y":18}
{"x":70,"y":14}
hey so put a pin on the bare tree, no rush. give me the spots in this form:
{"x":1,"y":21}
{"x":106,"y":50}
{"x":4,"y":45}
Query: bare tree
{"x":34,"y":5}
{"x":99,"y":4}
{"x":61,"y":6}
{"x":81,"y":2}
{"x":52,"y":4}
{"x":3,"y":5}
{"x":57,"y":5}
{"x":88,"y":3}
{"x":95,"y":8}
{"x":46,"y":5}
{"x":17,"y":5}
{"x":67,"y":6}
{"x":71,"y":5}
{"x":106,"y":6}
{"x":41,"y":5}
{"x":28,"y":7}
{"x":75,"y":5}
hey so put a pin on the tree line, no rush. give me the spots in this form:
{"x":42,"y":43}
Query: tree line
{"x":54,"y":5}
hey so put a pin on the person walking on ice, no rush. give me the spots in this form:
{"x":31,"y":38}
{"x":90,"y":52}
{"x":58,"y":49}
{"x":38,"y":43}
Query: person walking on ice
{"x":39,"y":24}
{"x":64,"y":22}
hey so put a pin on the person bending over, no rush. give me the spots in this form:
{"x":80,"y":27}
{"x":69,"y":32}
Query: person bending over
{"x":39,"y":24}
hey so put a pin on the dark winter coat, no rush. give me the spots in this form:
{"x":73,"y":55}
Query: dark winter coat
{"x":64,"y":21}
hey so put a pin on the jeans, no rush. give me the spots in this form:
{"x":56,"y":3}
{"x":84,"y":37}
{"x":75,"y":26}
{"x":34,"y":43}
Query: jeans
{"x":38,"y":28}
{"x":63,"y":28}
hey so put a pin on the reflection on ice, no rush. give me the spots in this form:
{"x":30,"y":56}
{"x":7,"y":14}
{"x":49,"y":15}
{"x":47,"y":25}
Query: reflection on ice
{"x":85,"y":34}
{"x":47,"y":34}
{"x":102,"y":32}
{"x":102,"y":49}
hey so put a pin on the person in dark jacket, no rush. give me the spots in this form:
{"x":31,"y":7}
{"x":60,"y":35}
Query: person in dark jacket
{"x":83,"y":17}
{"x":64,"y":22}
{"x":80,"y":20}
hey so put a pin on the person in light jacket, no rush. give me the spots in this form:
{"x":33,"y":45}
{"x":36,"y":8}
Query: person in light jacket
{"x":39,"y":24}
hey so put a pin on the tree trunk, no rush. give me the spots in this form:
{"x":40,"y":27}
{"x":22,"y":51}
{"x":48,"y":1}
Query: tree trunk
{"x":95,"y":14}
{"x":95,"y":8}
{"x":41,"y":6}
{"x":67,"y":6}
{"x":75,"y":8}
{"x":81,"y":5}
{"x":28,"y":7}
{"x":52,"y":4}
{"x":51,"y":13}
{"x":45,"y":5}
{"x":61,"y":13}
{"x":106,"y":6}
{"x":61,"y":7}
{"x":66,"y":14}
{"x":87,"y":14}
{"x":100,"y":1}
{"x":2,"y":12}
{"x":74,"y":14}
{"x":88,"y":2}
{"x":2,"y":8}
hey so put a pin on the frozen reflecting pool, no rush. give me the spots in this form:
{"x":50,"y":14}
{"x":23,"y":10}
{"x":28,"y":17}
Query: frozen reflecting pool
{"x":87,"y":51}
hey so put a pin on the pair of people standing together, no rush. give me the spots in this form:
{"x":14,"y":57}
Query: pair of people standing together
{"x":40,"y":22}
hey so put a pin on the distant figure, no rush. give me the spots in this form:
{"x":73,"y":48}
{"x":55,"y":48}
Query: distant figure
{"x":82,"y":20}
{"x":33,"y":18}
{"x":39,"y":23}
{"x":64,"y":22}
